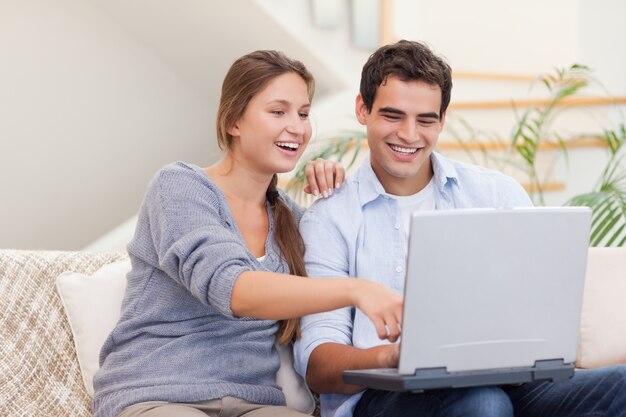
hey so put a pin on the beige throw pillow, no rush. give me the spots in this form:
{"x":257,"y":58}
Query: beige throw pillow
{"x":603,"y":321}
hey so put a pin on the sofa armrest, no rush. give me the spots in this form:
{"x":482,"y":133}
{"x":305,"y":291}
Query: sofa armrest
{"x":39,"y":371}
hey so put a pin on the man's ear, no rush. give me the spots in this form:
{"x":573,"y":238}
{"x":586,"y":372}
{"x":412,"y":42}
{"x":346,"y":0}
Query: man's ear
{"x":442,"y":120}
{"x":361,"y":110}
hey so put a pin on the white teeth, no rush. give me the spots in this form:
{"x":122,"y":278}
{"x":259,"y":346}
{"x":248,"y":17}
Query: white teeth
{"x":407,"y":151}
{"x":288,"y":145}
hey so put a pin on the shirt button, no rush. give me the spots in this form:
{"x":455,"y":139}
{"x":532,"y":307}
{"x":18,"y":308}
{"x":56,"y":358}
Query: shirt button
{"x":397,"y":226}
{"x":398,"y":269}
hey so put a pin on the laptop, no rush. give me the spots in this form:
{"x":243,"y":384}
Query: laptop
{"x":491,"y":297}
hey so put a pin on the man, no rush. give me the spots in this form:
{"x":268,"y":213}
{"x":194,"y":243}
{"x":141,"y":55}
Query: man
{"x":362,"y":232}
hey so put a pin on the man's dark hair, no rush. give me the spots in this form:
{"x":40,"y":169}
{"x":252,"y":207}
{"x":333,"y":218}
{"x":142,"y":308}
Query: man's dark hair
{"x":409,"y":61}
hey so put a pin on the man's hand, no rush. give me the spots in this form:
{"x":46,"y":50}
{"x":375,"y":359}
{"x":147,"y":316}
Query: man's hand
{"x":388,"y":356}
{"x":329,"y":360}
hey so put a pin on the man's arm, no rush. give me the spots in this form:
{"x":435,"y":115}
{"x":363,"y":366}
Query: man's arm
{"x":325,"y":350}
{"x":329,"y":360}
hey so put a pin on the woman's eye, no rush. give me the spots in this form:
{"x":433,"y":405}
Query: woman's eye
{"x":278,"y":112}
{"x":304,"y":116}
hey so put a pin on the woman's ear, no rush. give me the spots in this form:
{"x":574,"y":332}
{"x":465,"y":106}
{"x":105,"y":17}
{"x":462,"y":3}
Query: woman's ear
{"x":234,"y":130}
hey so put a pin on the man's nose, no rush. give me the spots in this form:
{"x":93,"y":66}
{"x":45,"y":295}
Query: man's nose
{"x":407,"y":131}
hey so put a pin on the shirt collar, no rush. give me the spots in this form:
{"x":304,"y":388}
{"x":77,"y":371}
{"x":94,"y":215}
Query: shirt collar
{"x":443,"y":169}
{"x":370,"y":187}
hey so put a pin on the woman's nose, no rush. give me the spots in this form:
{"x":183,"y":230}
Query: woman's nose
{"x":297,"y":125}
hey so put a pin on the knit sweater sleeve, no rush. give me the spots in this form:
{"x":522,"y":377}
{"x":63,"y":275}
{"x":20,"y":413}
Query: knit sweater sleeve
{"x":183,"y":230}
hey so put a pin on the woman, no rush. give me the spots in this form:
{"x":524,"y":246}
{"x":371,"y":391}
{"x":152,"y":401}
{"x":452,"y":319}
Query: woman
{"x":217,"y":262}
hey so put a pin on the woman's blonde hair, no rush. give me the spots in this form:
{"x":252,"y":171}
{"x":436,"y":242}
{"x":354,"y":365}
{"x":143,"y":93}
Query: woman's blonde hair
{"x":246,"y":77}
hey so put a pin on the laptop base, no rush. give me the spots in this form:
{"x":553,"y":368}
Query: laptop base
{"x":439,"y":378}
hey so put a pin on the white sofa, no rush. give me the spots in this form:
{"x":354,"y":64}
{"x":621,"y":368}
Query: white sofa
{"x":40,"y":371}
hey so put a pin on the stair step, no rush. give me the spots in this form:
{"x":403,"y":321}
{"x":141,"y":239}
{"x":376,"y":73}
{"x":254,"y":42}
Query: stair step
{"x":517,"y":103}
{"x":502,"y":144}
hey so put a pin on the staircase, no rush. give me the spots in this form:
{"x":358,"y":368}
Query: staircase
{"x":486,"y":104}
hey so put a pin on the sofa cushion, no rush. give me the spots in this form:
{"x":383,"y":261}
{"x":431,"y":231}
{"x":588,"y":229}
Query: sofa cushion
{"x":603,"y":320}
{"x":39,"y":371}
{"x":93,"y":303}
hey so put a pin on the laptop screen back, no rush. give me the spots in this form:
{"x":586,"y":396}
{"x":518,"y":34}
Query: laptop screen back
{"x":492,"y":288}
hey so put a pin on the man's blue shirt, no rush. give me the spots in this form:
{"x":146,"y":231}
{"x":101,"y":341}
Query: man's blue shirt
{"x":360,"y":232}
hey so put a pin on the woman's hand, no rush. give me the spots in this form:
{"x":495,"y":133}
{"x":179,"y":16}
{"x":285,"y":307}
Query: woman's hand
{"x":382,"y":305}
{"x":323,"y":176}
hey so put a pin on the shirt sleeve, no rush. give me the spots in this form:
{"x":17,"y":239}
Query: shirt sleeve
{"x":182,"y":231}
{"x":326,"y":256}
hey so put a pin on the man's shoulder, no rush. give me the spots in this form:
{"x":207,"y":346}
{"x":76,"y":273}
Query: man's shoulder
{"x":344,"y":198}
{"x":341,"y":211}
{"x":471,"y":172}
{"x":481,"y":186}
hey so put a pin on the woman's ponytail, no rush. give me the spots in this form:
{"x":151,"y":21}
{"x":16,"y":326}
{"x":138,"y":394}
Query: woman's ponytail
{"x":291,"y":245}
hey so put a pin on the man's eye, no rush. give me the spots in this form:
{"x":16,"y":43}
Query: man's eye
{"x":391,"y":117}
{"x":426,"y":122}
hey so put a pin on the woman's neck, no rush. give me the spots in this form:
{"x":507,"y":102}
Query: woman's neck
{"x":245,"y":193}
{"x":238,"y":182}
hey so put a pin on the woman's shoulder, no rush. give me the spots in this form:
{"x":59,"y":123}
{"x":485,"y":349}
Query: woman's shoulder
{"x":181,"y":179}
{"x":179,"y":169}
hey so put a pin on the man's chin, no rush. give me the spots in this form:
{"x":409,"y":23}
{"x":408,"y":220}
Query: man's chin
{"x":402,"y":176}
{"x":403,"y":171}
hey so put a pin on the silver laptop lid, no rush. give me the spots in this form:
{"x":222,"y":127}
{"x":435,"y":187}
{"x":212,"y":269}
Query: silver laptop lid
{"x":490,"y":288}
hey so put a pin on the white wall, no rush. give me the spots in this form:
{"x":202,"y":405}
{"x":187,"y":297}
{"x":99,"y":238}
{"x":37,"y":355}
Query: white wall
{"x":87,"y":115}
{"x":522,"y":36}
{"x":515,"y":36}
{"x":602,"y":39}
{"x":332,"y":45}
{"x":96,"y":95}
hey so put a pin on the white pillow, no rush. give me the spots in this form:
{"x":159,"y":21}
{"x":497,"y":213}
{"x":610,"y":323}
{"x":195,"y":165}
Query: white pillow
{"x":92,"y":305}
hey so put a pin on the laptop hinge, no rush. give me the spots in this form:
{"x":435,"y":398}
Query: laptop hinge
{"x":431,"y":372}
{"x":554,"y":369}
